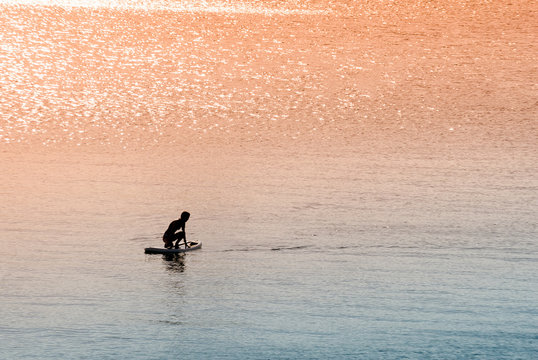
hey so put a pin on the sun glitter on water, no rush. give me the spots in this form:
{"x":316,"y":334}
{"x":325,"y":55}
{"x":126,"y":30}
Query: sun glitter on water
{"x":246,"y":7}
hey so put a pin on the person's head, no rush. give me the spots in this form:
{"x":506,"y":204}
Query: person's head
{"x":185,"y":216}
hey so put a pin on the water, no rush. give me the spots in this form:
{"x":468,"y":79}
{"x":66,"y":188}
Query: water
{"x":362,"y":177}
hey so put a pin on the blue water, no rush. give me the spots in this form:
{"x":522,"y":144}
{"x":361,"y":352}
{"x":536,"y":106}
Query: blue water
{"x":301,"y":262}
{"x":364,"y":184}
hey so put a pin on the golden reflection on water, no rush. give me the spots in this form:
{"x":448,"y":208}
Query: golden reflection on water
{"x":138,"y":73}
{"x":244,"y":7}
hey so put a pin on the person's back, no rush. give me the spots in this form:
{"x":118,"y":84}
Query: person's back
{"x":173,"y":227}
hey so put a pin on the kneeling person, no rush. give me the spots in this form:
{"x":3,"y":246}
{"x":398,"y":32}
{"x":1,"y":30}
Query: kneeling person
{"x":176,"y":232}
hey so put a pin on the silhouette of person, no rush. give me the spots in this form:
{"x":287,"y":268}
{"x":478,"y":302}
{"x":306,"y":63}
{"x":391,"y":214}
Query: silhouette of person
{"x":176,"y":232}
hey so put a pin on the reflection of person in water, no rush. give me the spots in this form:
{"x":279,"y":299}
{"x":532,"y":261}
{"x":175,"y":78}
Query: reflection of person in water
{"x":176,"y":232}
{"x":175,"y":262}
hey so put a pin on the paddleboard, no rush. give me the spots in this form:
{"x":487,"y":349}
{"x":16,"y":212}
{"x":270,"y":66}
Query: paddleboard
{"x":193,"y":246}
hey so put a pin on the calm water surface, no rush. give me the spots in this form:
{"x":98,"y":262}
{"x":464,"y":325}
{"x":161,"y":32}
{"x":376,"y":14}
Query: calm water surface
{"x":362,"y":177}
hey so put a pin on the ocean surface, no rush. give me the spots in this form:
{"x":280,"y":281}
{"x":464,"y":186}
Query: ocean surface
{"x":362,"y":175}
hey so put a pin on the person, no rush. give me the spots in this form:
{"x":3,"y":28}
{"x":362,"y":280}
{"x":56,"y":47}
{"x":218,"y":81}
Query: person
{"x":176,"y":232}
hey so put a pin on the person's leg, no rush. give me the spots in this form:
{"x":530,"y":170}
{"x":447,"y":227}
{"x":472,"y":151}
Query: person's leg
{"x":168,"y":243}
{"x":180,"y":236}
